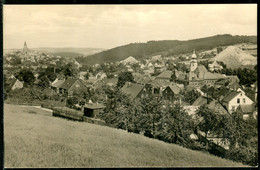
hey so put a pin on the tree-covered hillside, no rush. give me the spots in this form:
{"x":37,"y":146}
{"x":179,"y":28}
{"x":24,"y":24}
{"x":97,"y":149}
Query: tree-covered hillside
{"x":166,"y":47}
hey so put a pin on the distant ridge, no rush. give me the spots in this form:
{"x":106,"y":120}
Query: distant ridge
{"x":165,"y":47}
{"x":82,"y":51}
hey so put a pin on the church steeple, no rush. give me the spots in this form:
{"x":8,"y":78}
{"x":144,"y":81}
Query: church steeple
{"x":25,"y":48}
{"x":193,"y":62}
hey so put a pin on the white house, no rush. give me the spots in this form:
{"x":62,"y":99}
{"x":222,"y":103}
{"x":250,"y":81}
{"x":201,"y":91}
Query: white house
{"x":234,"y":99}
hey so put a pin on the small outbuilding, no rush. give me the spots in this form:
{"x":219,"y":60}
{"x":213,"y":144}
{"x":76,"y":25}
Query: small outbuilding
{"x":93,"y":109}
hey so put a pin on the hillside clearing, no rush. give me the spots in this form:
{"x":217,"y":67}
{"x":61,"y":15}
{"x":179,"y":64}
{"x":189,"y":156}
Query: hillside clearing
{"x":33,"y":138}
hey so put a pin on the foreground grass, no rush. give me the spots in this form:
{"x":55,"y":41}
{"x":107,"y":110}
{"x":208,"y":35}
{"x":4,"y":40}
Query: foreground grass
{"x":33,"y":138}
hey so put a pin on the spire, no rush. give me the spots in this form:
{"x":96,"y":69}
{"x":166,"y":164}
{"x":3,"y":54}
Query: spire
{"x":194,"y":55}
{"x":25,"y":48}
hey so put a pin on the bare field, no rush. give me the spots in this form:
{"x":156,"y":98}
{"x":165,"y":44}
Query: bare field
{"x":33,"y":138}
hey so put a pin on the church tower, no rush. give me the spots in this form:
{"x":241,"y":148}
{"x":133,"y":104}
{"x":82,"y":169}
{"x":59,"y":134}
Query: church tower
{"x":25,"y":48}
{"x":193,"y":62}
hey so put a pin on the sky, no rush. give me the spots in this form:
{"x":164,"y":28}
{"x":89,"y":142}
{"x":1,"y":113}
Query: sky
{"x":109,"y":26}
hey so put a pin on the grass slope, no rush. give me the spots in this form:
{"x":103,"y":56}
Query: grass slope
{"x":33,"y":138}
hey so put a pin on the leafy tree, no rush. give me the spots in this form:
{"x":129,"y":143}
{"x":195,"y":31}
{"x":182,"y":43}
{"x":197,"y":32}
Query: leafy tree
{"x":150,"y":114}
{"x":44,"y":82}
{"x":219,"y":49}
{"x":69,"y":70}
{"x":26,"y":76}
{"x":189,"y":96}
{"x":173,"y":77}
{"x":123,"y":78}
{"x":86,"y":76}
{"x":176,"y":125}
{"x":211,"y":121}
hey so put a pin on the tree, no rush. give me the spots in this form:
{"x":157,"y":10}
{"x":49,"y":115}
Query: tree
{"x":173,"y":77}
{"x":210,"y":122}
{"x":69,"y":70}
{"x":219,"y":49}
{"x":44,"y":82}
{"x":189,"y":96}
{"x":26,"y":76}
{"x":176,"y":125}
{"x":150,"y":115}
{"x":86,"y":76}
{"x":123,"y":78}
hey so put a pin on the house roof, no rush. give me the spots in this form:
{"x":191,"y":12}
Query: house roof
{"x":215,"y":105}
{"x":201,"y":68}
{"x":175,"y":89}
{"x":58,"y":83}
{"x":182,"y":76}
{"x":246,"y":108}
{"x":230,"y":96}
{"x":68,"y":83}
{"x":209,"y":75}
{"x":200,"y":101}
{"x":158,"y":83}
{"x":221,"y":82}
{"x":165,"y":74}
{"x":132,"y":89}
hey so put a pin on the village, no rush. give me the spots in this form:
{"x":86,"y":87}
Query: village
{"x":186,"y":81}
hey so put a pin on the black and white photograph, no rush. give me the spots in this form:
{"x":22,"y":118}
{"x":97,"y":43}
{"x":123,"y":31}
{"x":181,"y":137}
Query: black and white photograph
{"x":130,"y":85}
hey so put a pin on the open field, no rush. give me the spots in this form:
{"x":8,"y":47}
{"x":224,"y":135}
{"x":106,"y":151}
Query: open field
{"x":33,"y":138}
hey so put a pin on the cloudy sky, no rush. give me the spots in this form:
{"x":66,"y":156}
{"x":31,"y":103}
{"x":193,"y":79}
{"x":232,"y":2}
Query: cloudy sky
{"x":108,"y":26}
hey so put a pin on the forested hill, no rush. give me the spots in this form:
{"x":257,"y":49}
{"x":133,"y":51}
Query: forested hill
{"x":166,"y":47}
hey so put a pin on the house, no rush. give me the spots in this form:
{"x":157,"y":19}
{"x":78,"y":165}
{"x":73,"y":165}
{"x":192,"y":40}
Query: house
{"x":234,"y":99}
{"x":13,"y":84}
{"x":170,"y":92}
{"x":93,"y":109}
{"x":110,"y":82}
{"x":215,"y":66}
{"x":71,"y":85}
{"x":198,"y":75}
{"x":56,"y":84}
{"x":201,"y":100}
{"x":165,"y":76}
{"x":247,"y":110}
{"x":136,"y":90}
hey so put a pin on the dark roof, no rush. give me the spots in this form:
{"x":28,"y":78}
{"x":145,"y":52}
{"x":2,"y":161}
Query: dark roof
{"x":132,"y":89}
{"x":94,"y":106}
{"x":246,"y":108}
{"x":200,"y":101}
{"x":165,"y":74}
{"x":175,"y":89}
{"x":223,"y":91}
{"x":230,"y":96}
{"x":69,"y":82}
{"x":215,"y":105}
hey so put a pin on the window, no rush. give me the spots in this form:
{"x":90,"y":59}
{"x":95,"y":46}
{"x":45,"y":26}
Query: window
{"x":238,"y":100}
{"x":244,"y":100}
{"x":77,"y":85}
{"x":142,"y":96}
{"x":233,"y":108}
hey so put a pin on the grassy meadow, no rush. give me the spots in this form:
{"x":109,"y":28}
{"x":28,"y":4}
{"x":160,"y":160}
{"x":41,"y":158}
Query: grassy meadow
{"x":33,"y":138}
